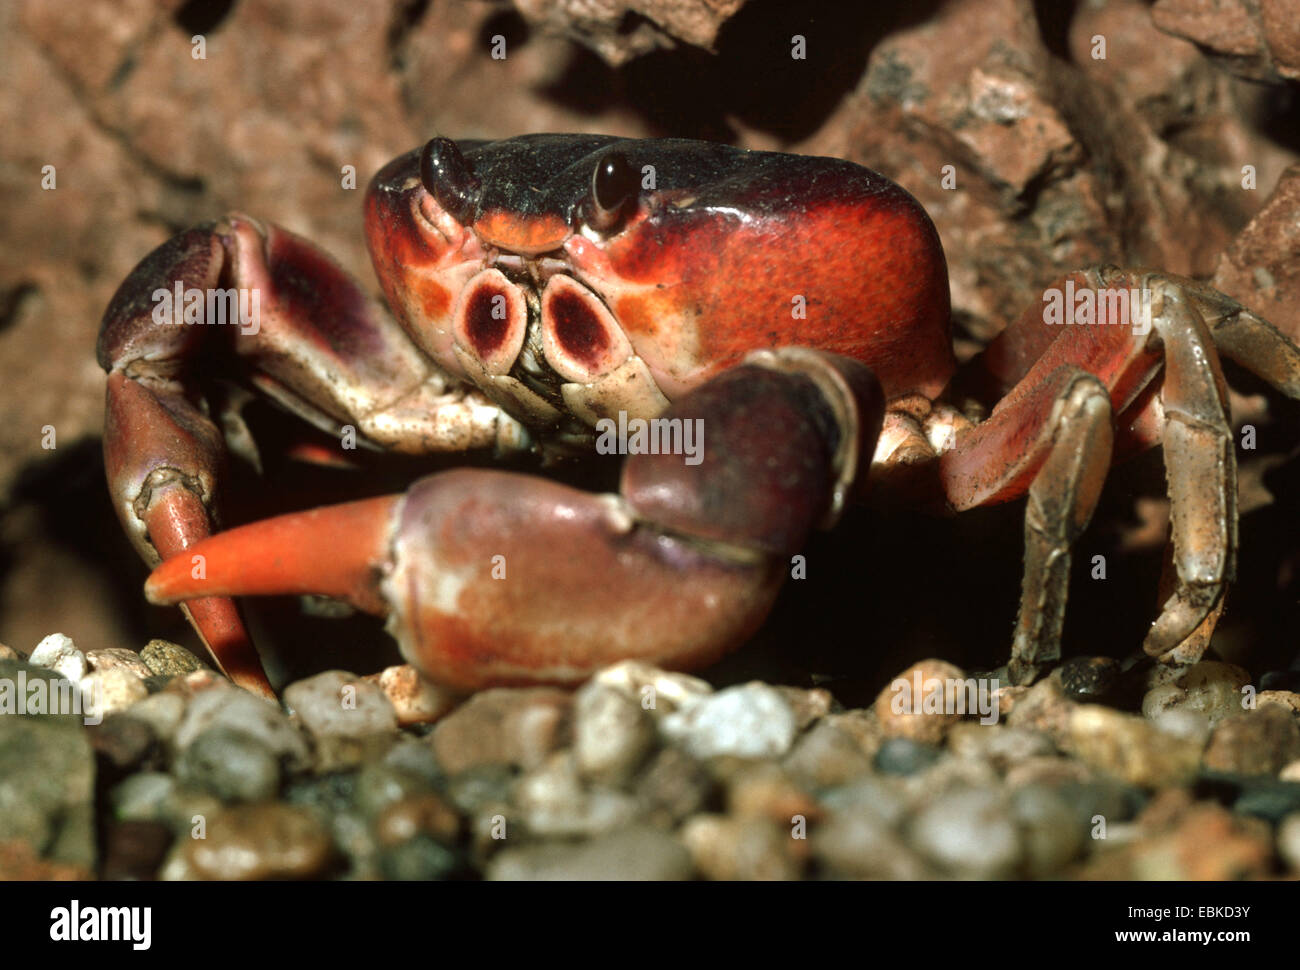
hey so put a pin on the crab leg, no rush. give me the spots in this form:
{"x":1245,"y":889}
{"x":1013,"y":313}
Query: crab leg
{"x":294,"y":324}
{"x":493,"y":578}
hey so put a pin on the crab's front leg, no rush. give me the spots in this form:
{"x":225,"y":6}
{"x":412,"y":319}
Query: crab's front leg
{"x":272,"y":309}
{"x":493,"y":577}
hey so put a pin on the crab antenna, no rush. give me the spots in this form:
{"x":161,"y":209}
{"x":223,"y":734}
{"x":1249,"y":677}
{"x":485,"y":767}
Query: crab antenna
{"x":338,"y":551}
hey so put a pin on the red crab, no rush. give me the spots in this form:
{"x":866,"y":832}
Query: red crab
{"x":547,"y":287}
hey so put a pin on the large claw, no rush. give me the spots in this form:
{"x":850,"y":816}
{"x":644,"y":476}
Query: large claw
{"x":492,"y":578}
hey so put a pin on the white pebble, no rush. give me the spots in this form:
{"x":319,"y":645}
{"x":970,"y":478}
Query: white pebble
{"x":58,"y":653}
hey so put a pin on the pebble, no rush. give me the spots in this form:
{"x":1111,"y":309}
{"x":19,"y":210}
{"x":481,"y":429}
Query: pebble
{"x":872,"y":797}
{"x":927,"y":716}
{"x":638,"y":853}
{"x":749,"y":721}
{"x":421,"y":859}
{"x":481,"y":787}
{"x":9,"y":653}
{"x":672,"y":787}
{"x":748,"y":849}
{"x":1206,"y":843}
{"x":58,"y":653}
{"x":903,"y":756}
{"x":1209,"y":687}
{"x":857,"y":845}
{"x":1288,"y":841}
{"x":231,"y":764}
{"x":142,"y":797}
{"x":167,"y":659}
{"x":1288,"y":700}
{"x":1131,"y":748}
{"x":765,"y":790}
{"x":1291,"y":772}
{"x":552,"y":802}
{"x":417,"y":758}
{"x":112,"y":690}
{"x":969,"y":832}
{"x":1046,"y":709}
{"x":47,"y":773}
{"x":510,"y":726}
{"x":426,"y":813}
{"x":612,"y":735}
{"x":162,"y":712}
{"x":1088,"y":679}
{"x":1003,"y":746}
{"x":1048,"y":770}
{"x":341,"y":704}
{"x":809,"y":704}
{"x":341,"y":752}
{"x":233,"y":708}
{"x":111,"y":658}
{"x":1182,"y":722}
{"x":135,"y":850}
{"x":260,"y":841}
{"x":660,"y":692}
{"x":122,"y":742}
{"x":1050,"y":832}
{"x":825,"y":756}
{"x":380,"y":784}
{"x":414,"y":699}
{"x":1259,"y":742}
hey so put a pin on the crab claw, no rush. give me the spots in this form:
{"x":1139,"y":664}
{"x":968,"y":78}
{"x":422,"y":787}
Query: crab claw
{"x":335,"y":551}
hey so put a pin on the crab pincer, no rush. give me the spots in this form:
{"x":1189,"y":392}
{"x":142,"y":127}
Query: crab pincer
{"x":490,"y":577}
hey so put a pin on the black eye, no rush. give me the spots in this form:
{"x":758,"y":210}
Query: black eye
{"x":612,"y":184}
{"x":450,"y":179}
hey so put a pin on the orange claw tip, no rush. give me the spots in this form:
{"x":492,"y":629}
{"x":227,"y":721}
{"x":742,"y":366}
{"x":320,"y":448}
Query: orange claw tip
{"x":337,"y":551}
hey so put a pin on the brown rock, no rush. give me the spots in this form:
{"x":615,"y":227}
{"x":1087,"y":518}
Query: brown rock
{"x":1261,"y":267}
{"x":1131,"y":748}
{"x":261,"y":841}
{"x":922,"y":702}
{"x":1260,"y":742}
{"x":503,"y":726}
{"x":416,"y":700}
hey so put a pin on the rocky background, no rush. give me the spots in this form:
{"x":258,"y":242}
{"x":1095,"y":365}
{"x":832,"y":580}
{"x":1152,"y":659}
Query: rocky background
{"x":1161,"y":134}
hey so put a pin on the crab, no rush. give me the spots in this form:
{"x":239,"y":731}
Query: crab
{"x":548,"y":293}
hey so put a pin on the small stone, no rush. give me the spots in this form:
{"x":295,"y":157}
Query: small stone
{"x":232,"y":764}
{"x":903,"y":756}
{"x":1045,"y":709}
{"x":809,"y":704}
{"x":766,"y":790}
{"x":672,"y":787}
{"x":503,"y":726}
{"x":112,"y":690}
{"x":425,"y":813}
{"x":1131,"y":748}
{"x":416,"y":758}
{"x":162,"y":712}
{"x":749,"y":721}
{"x":1184,"y":723}
{"x":142,"y":797}
{"x":1051,"y":834}
{"x":198,"y":682}
{"x":612,"y":735}
{"x":114,"y":657}
{"x":1291,"y":772}
{"x":414,"y":699}
{"x":422,"y":859}
{"x":660,"y":692}
{"x":1288,"y":700}
{"x":1214,"y":688}
{"x":9,"y":653}
{"x":637,"y":853}
{"x":1001,"y":745}
{"x":749,"y":849}
{"x":340,"y":703}
{"x":825,"y":756}
{"x":167,"y":659}
{"x":1047,"y":770}
{"x":135,"y":849}
{"x":47,"y":776}
{"x":380,"y":784}
{"x":341,"y":752}
{"x":1087,"y":679}
{"x":922,"y":702}
{"x":1006,"y":697}
{"x":1288,"y":841}
{"x":229,"y":707}
{"x":968,"y":832}
{"x":122,"y":742}
{"x":858,"y":845}
{"x":261,"y":841}
{"x":868,"y":796}
{"x":862,"y":726}
{"x":553,"y":803}
{"x":58,"y":653}
{"x":1202,"y":842}
{"x":1260,"y":742}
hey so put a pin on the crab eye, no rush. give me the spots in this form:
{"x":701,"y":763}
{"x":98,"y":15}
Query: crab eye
{"x":612,"y":184}
{"x":450,"y":179}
